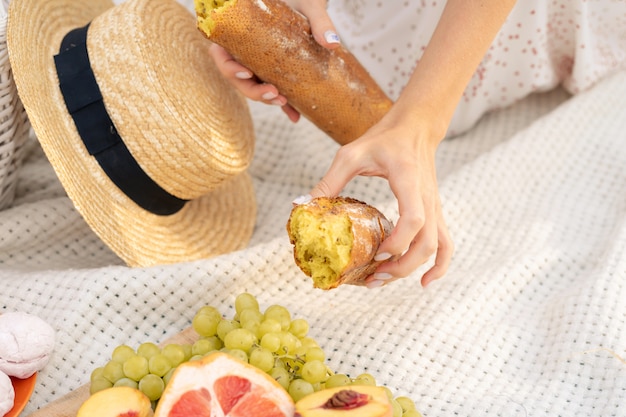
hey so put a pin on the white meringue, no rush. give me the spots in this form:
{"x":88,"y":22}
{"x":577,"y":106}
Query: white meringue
{"x":7,"y":394}
{"x":26,"y":343}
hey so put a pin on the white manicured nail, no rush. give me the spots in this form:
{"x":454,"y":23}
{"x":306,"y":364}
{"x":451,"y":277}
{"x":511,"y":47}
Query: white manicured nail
{"x":331,"y":37}
{"x":269,"y":96}
{"x":382,"y":256}
{"x":383,"y":276}
{"x":303,"y":199}
{"x":375,"y":283}
{"x":243,"y":75}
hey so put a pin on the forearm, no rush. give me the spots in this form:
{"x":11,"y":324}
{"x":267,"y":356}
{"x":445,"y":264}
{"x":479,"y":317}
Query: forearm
{"x":462,"y":37}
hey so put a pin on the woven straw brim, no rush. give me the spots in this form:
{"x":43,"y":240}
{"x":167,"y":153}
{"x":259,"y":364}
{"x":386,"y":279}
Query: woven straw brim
{"x":218,"y":222}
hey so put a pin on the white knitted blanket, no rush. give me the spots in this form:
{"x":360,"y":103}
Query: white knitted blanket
{"x":529,"y":321}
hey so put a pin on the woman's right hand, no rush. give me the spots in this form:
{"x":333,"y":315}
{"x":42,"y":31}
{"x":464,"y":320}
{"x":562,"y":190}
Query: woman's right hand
{"x":246,"y":82}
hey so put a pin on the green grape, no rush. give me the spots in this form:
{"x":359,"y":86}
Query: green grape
{"x":245,"y":301}
{"x":281,"y":375}
{"x":152,"y":385}
{"x":314,"y":371}
{"x":206,"y":324}
{"x":250,"y":316}
{"x":411,"y":413}
{"x":204,"y":346}
{"x":96,"y":373}
{"x":364,"y":379}
{"x":136,"y":367}
{"x":268,"y":326}
{"x":299,"y":327}
{"x":338,"y":380}
{"x":125,"y":382}
{"x":122,"y":353}
{"x":280,"y":314}
{"x":253,"y":326}
{"x":216,"y":342}
{"x":308,"y":341}
{"x":299,"y":388}
{"x":288,"y":343}
{"x":314,"y":354}
{"x":271,"y":342}
{"x":397,"y":409}
{"x":159,"y":365}
{"x":168,"y":376}
{"x":225,"y":326}
{"x":406,"y":403}
{"x":262,"y":359}
{"x":187,"y":348}
{"x":279,"y":363}
{"x":242,"y":339}
{"x":175,"y":353}
{"x":237,"y":353}
{"x":209,"y":311}
{"x":99,"y":384}
{"x":300,"y":352}
{"x":113,"y":371}
{"x":196,"y":358}
{"x":148,"y":349}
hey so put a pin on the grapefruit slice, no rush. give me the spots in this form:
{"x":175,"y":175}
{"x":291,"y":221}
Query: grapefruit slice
{"x":195,"y":403}
{"x":221,"y":385}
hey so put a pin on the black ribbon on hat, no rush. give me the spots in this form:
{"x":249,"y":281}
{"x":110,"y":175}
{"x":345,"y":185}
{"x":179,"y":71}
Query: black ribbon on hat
{"x":83,"y":100}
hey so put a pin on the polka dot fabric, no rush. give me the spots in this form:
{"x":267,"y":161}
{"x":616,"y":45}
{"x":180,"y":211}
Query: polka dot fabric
{"x":529,"y":321}
{"x":544,"y":43}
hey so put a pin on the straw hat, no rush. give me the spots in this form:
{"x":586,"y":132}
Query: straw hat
{"x":186,"y":135}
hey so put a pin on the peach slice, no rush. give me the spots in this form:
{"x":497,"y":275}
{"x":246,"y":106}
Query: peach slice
{"x":348,"y":401}
{"x":116,"y":402}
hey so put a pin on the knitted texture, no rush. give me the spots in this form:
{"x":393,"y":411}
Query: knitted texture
{"x":530,"y":320}
{"x":14,"y":126}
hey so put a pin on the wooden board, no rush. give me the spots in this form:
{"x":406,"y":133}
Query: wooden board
{"x":68,"y":405}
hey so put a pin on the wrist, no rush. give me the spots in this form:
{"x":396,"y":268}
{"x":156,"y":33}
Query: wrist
{"x":427,"y":121}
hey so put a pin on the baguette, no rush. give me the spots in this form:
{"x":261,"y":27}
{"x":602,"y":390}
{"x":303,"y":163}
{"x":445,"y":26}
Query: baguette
{"x":329,"y":87}
{"x":335,"y":240}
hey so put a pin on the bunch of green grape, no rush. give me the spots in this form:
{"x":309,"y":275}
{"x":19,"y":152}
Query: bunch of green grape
{"x":270,"y":340}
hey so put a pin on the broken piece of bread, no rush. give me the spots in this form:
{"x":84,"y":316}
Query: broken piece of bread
{"x":329,"y":87}
{"x":335,"y":240}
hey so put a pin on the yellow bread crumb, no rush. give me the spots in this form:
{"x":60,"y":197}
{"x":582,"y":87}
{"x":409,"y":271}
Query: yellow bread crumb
{"x":203,"y":10}
{"x":323,"y":245}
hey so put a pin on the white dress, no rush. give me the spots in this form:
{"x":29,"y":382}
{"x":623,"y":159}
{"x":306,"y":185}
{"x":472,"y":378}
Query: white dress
{"x":544,"y":43}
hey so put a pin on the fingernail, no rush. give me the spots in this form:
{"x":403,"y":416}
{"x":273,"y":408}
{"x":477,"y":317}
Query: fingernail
{"x":303,"y":199}
{"x":331,"y":37}
{"x":375,"y":283}
{"x":243,"y":75}
{"x":382,"y":256}
{"x":269,"y":95}
{"x":277,"y":102}
{"x":383,"y":276}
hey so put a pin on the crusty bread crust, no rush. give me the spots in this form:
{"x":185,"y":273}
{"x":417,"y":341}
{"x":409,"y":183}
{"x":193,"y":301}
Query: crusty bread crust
{"x":329,"y":87}
{"x":368,"y":227}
